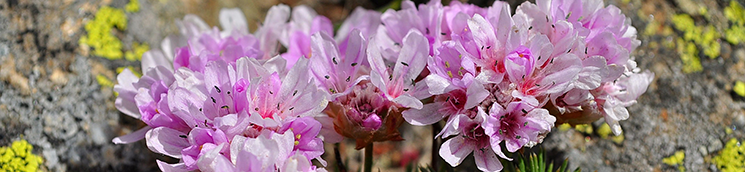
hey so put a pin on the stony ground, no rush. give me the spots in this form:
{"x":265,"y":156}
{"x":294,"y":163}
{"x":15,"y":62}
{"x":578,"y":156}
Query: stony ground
{"x":50,"y":93}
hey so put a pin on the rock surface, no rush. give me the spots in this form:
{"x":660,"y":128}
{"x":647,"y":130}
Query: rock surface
{"x":50,"y":94}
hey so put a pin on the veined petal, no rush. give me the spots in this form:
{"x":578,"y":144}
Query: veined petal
{"x":453,"y":151}
{"x":486,"y":160}
{"x":166,"y":141}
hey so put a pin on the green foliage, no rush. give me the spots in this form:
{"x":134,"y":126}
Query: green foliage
{"x":534,"y":163}
{"x":104,"y":43}
{"x":732,"y":157}
{"x":18,"y":157}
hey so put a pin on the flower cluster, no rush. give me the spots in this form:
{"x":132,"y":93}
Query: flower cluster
{"x":502,"y":78}
{"x":229,"y":100}
{"x":218,"y":101}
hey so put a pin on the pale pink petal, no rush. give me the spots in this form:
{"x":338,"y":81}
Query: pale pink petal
{"x":438,"y":85}
{"x":455,"y":150}
{"x":428,"y":114}
{"x":154,"y":58}
{"x":166,"y":141}
{"x":166,"y":167}
{"x":475,"y":93}
{"x":213,"y":161}
{"x":132,"y":137}
{"x":486,"y":160}
{"x":233,"y":20}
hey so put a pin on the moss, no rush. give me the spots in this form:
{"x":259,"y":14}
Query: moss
{"x":99,"y":35}
{"x":732,"y":157}
{"x":137,"y":50}
{"x":132,"y":6}
{"x":739,"y":88}
{"x":18,"y":157}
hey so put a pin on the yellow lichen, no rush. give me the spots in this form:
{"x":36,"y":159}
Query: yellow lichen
{"x":709,"y":42}
{"x":132,"y":6}
{"x":120,"y":69}
{"x":137,"y":50}
{"x":564,"y":127}
{"x":617,"y":139}
{"x":18,"y":157}
{"x":736,"y":15}
{"x":604,"y":131}
{"x":104,"y":81}
{"x":676,"y":159}
{"x":689,"y":55}
{"x":739,"y":88}
{"x":584,"y":128}
{"x":732,"y":157}
{"x":99,"y":35}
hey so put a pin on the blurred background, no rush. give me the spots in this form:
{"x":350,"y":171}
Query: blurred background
{"x":56,"y":89}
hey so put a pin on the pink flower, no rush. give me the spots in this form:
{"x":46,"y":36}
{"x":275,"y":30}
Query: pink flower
{"x":398,"y":83}
{"x":470,"y":137}
{"x":517,"y":125}
{"x":452,"y":82}
{"x":333,"y":71}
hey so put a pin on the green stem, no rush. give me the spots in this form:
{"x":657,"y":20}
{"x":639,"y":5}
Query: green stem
{"x":368,"y":157}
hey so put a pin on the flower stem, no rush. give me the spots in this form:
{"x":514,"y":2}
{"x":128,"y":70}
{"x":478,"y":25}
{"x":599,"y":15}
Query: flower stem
{"x":339,"y":163}
{"x":435,"y":147}
{"x":368,"y":157}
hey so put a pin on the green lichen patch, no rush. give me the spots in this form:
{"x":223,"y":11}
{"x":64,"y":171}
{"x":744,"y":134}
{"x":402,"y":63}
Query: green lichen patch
{"x":731,"y":158}
{"x":100,"y":35}
{"x":18,"y":157}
